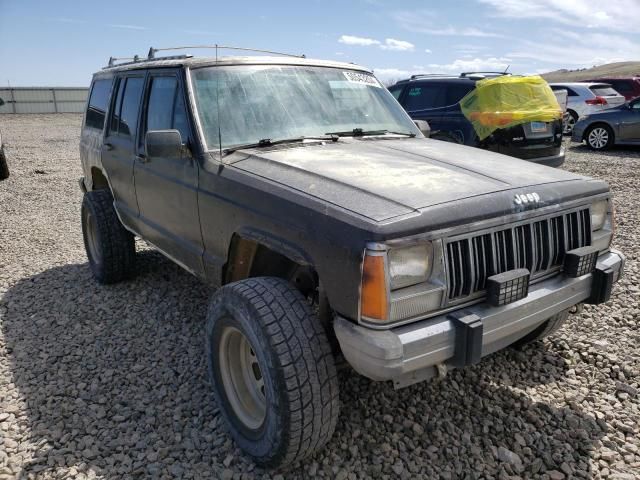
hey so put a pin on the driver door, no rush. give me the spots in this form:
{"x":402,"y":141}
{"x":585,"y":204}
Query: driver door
{"x":166,"y":188}
{"x":630,"y":124}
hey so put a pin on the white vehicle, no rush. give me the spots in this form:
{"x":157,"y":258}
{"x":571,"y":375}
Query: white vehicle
{"x":585,"y":98}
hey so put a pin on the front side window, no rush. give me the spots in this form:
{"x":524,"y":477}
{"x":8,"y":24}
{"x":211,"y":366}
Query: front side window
{"x":98,"y":101}
{"x":396,"y":91}
{"x":251,"y":103}
{"x":166,"y":109}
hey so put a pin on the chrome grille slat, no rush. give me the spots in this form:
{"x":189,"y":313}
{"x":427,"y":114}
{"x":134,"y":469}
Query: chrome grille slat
{"x":538,"y":246}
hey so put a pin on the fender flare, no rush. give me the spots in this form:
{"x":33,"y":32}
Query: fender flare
{"x":275,"y":243}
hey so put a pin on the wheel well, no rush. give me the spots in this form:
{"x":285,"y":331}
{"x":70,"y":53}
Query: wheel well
{"x":98,"y":180}
{"x":249,"y":258}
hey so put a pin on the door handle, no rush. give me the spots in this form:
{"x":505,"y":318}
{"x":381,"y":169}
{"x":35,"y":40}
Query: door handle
{"x":142,"y":158}
{"x":108,"y":146}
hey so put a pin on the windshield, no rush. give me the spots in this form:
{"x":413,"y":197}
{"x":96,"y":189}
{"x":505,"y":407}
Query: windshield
{"x":277,"y":102}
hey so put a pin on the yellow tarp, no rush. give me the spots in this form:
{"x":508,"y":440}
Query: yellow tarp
{"x":506,"y":101}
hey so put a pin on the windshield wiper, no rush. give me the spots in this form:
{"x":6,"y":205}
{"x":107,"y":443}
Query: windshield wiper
{"x":267,"y":142}
{"x":359,"y":132}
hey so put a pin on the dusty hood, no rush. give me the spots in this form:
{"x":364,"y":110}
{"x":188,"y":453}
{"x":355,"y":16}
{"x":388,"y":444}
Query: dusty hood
{"x":383,"y":178}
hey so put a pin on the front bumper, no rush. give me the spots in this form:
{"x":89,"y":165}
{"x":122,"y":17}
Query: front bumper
{"x":412,"y":353}
{"x":577,"y":135}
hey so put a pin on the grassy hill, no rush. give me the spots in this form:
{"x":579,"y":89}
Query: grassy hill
{"x":619,"y":69}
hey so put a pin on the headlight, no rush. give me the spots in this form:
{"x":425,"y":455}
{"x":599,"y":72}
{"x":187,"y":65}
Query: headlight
{"x":599,"y":214}
{"x":410,"y":265}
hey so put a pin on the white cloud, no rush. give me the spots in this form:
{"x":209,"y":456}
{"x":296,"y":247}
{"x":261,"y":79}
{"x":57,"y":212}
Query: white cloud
{"x":389,"y":43}
{"x":393,"y":44}
{"x":391,"y":73}
{"x":473,"y":65}
{"x":586,"y":49}
{"x":620,"y":15}
{"x":427,"y":50}
{"x":353,"y":40}
{"x":426,"y":22}
{"x":128,"y":27}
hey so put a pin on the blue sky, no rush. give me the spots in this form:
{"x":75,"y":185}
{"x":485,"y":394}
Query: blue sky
{"x":59,"y":43}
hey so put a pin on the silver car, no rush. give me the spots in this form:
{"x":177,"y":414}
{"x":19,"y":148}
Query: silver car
{"x":585,"y":98}
{"x":616,"y":126}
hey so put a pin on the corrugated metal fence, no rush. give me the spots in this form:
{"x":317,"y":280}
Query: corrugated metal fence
{"x":43,"y":99}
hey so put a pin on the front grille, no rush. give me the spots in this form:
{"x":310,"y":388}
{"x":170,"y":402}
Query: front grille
{"x":537,"y":246}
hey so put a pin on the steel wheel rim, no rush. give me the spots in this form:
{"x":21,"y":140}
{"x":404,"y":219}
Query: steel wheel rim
{"x":92,"y":239}
{"x":598,"y":137}
{"x":242,"y":378}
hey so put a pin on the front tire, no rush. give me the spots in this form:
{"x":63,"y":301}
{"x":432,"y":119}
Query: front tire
{"x":110,"y":247}
{"x":599,"y":137}
{"x":4,"y":167}
{"x":272,"y":370}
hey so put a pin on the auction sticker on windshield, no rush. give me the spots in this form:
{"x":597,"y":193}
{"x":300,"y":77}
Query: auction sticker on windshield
{"x":362,"y":79}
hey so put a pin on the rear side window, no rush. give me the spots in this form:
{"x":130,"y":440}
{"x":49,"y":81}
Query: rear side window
{"x":124,"y":121}
{"x":602,"y":90}
{"x":425,"y":96}
{"x":455,"y":93}
{"x":98,"y":102}
{"x":166,"y":109}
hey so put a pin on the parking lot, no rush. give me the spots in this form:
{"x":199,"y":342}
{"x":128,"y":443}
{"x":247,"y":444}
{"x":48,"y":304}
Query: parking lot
{"x":110,"y":381}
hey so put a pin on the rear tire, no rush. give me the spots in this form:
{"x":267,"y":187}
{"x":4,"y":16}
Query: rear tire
{"x":549,"y":327}
{"x":571,"y":122}
{"x":110,"y":247}
{"x":4,"y":167}
{"x":599,"y":137}
{"x":272,"y":370}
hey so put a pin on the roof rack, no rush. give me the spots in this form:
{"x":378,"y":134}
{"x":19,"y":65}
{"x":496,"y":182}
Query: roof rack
{"x":152,"y":51}
{"x":152,"y":54}
{"x":136,"y":59}
{"x":493,"y":74}
{"x":420,"y":75}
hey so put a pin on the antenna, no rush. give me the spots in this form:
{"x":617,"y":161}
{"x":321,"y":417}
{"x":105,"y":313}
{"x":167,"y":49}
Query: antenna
{"x":505,"y":70}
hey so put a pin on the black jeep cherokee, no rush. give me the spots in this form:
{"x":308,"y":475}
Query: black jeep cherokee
{"x":435,"y":98}
{"x":303,"y":192}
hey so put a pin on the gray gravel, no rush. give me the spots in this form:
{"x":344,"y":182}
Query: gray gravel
{"x":109,"y":382}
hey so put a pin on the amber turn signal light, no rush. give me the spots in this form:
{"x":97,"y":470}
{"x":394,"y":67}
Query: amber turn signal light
{"x":373,"y":299}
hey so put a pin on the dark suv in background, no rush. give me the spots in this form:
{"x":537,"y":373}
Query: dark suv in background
{"x":436,"y":99}
{"x":629,"y":87}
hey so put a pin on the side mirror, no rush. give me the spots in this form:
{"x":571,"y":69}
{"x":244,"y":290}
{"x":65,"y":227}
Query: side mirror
{"x":163,"y":143}
{"x":424,"y":127}
{"x":1,"y":102}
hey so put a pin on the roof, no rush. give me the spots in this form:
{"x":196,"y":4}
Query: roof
{"x":438,"y":78}
{"x":195,"y":62}
{"x":614,"y":77}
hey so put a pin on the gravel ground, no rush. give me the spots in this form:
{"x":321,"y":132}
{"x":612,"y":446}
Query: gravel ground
{"x":109,"y":382}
